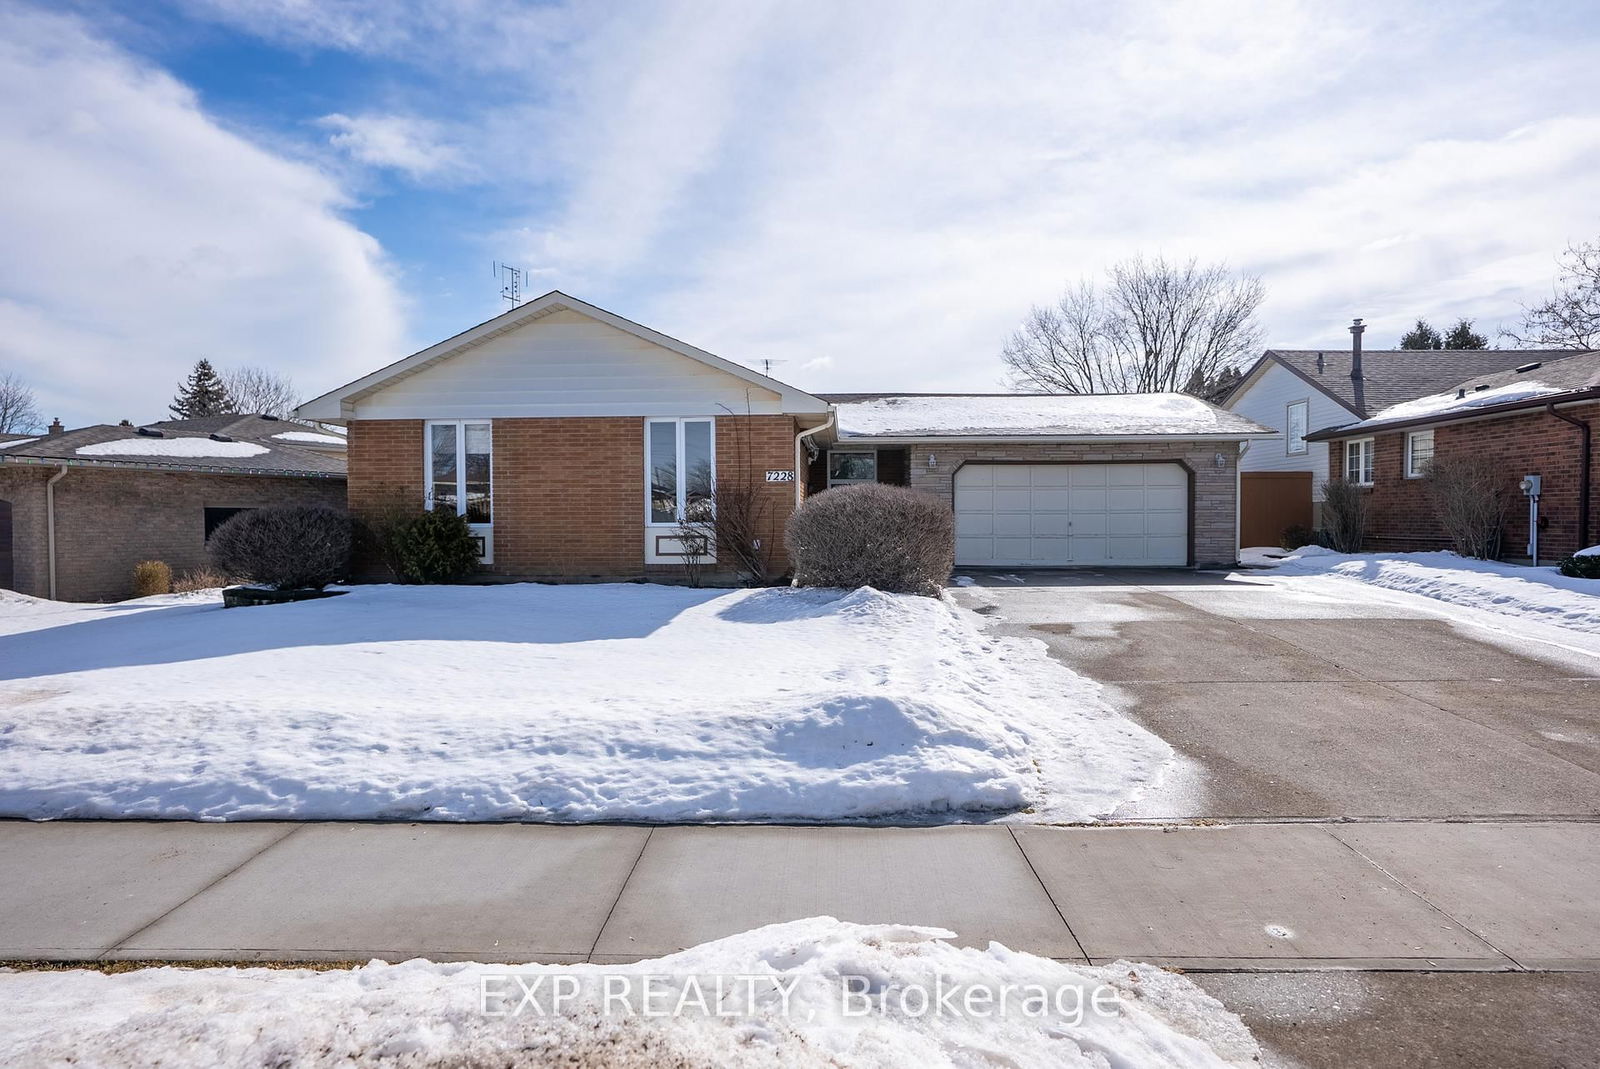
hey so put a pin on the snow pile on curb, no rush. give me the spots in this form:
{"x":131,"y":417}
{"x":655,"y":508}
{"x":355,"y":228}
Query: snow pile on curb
{"x":549,"y":703}
{"x":423,"y":1014}
{"x":1539,"y":594}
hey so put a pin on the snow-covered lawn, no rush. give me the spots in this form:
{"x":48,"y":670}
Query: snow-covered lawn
{"x":1541,"y":595}
{"x":559,"y":703}
{"x":792,"y":1010}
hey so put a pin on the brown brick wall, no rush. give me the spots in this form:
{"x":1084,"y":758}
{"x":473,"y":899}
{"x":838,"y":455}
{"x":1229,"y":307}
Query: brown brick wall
{"x":1535,"y":443}
{"x":1213,"y":505}
{"x":569,"y":493}
{"x":109,"y":520}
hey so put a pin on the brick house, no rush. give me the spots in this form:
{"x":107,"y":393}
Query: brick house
{"x":1297,"y":391}
{"x":575,"y":442}
{"x":79,"y":508}
{"x":1537,"y":419}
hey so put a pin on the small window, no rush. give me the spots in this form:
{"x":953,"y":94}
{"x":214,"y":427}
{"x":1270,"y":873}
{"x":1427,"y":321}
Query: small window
{"x":1358,"y":461}
{"x":681,"y":467}
{"x":216,"y":517}
{"x":460,"y":459}
{"x":844,"y":469}
{"x":1419,"y":453}
{"x":1294,"y":438}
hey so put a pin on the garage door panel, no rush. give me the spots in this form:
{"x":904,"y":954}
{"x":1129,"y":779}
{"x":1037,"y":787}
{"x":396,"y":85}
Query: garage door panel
{"x":1090,"y":514}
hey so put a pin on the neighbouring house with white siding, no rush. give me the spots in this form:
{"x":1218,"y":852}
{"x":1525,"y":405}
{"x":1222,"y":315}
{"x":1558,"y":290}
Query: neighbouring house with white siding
{"x":1299,"y":391}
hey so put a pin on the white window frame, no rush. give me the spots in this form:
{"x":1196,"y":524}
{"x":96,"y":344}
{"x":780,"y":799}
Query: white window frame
{"x":1368,"y":446}
{"x":1305,"y":428}
{"x":1411,"y":468}
{"x":832,"y":482}
{"x":683,"y":484}
{"x":483,"y":530}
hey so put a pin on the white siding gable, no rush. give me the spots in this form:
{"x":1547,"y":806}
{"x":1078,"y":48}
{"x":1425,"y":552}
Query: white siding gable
{"x":1267,"y":402}
{"x":566,"y":364}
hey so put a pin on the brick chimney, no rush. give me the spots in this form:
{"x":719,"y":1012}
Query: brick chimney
{"x":56,"y":427}
{"x":1357,"y":328}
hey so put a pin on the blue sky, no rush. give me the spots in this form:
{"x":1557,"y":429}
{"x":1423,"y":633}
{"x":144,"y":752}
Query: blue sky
{"x":871,"y":194}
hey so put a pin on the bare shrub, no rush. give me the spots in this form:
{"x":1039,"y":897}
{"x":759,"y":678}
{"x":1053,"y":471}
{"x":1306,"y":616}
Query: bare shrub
{"x":740,"y":528}
{"x":1471,"y":500}
{"x":888,"y":537}
{"x":202,"y":578}
{"x":1344,"y":515}
{"x":151,"y":577}
{"x":286,"y":547}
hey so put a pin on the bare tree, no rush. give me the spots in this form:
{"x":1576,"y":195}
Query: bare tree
{"x":259,"y":391}
{"x":1571,"y":317}
{"x":19,"y":410}
{"x":1154,"y":327}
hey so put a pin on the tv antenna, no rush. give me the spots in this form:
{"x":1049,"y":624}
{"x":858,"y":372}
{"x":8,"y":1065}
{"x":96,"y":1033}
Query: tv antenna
{"x":766,"y":363}
{"x":510,"y":282}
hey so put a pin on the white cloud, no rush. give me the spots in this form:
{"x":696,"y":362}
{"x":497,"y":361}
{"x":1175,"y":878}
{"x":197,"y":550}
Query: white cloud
{"x":140,"y":236}
{"x":404,"y":143}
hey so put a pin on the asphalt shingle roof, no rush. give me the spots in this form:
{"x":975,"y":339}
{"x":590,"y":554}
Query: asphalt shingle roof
{"x":278,"y":458}
{"x":1391,"y":376}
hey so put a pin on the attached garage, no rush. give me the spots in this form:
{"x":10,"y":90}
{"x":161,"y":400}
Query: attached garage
{"x":1061,"y":481}
{"x":1063,"y":514}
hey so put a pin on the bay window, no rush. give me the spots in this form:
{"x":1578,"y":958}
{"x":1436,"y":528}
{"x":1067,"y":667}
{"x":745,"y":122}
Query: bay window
{"x":460,"y":455}
{"x":681,"y":471}
{"x":1358,"y":461}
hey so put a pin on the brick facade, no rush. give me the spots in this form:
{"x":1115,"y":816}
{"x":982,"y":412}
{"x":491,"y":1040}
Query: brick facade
{"x":107,"y":520}
{"x":1401,"y":517}
{"x":569,"y":493}
{"x":1214,"y":489}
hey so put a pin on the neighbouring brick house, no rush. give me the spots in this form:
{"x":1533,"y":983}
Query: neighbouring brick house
{"x":117,"y":495}
{"x":1538,"y":419}
{"x":576,"y":442}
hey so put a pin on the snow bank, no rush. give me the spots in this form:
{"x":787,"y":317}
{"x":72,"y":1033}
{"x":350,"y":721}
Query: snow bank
{"x":1540,"y":594}
{"x":1112,"y":414}
{"x":791,"y":1011}
{"x":550,"y":703}
{"x":171,"y":447}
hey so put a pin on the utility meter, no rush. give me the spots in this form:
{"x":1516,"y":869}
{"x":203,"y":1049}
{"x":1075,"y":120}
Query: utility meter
{"x":1530,"y":485}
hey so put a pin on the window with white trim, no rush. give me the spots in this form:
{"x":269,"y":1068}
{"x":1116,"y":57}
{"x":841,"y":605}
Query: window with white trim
{"x":460,"y":458}
{"x":1294,"y":435}
{"x":1358,"y":461}
{"x":680,"y":470}
{"x":1419,"y":453}
{"x":855,"y":466}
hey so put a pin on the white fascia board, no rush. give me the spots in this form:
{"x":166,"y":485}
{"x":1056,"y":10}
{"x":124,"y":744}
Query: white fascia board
{"x":1103,"y":439}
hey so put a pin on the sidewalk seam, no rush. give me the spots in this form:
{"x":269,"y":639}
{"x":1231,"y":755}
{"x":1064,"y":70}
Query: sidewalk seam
{"x":120,"y":943}
{"x":622,"y":889}
{"x":1048,"y":896}
{"x":1424,"y":899}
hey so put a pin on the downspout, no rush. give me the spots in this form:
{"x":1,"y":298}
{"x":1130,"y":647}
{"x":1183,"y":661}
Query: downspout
{"x":799,"y":440}
{"x":50,"y":524}
{"x":1238,"y":500}
{"x":1585,"y":452}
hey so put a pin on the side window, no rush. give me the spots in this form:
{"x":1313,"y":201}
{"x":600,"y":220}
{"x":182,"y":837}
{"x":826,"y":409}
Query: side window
{"x":216,"y":517}
{"x":1294,"y":436}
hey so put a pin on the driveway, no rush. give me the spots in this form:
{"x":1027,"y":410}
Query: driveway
{"x":1285,"y":702}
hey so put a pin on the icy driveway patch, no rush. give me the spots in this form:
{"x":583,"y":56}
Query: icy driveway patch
{"x":560,"y":703}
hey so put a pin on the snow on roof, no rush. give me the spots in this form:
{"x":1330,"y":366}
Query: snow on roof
{"x":171,"y":447}
{"x":16,"y":441}
{"x":311,"y":436}
{"x":1452,"y":402}
{"x":1006,"y":415}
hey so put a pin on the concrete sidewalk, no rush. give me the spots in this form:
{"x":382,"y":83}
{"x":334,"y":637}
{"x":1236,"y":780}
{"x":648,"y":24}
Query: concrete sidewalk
{"x":1267,"y":896}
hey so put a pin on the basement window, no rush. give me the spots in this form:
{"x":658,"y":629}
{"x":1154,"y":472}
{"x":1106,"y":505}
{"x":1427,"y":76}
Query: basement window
{"x":1419,"y":453}
{"x":1358,"y":461}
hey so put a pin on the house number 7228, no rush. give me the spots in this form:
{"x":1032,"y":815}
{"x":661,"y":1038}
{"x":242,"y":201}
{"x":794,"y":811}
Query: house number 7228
{"x":780,"y":476}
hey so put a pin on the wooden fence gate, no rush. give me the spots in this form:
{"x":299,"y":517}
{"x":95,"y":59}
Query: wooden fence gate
{"x":1270,"y":501}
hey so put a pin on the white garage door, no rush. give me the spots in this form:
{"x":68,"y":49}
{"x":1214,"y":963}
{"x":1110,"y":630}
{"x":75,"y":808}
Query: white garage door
{"x":1058,"y":514}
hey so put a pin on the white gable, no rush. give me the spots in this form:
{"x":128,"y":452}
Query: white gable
{"x":565,"y":364}
{"x":1267,"y":400}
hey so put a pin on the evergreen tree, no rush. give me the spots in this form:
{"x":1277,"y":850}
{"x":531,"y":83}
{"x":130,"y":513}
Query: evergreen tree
{"x":1462,"y":336}
{"x":1423,"y":336}
{"x":202,"y":394}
